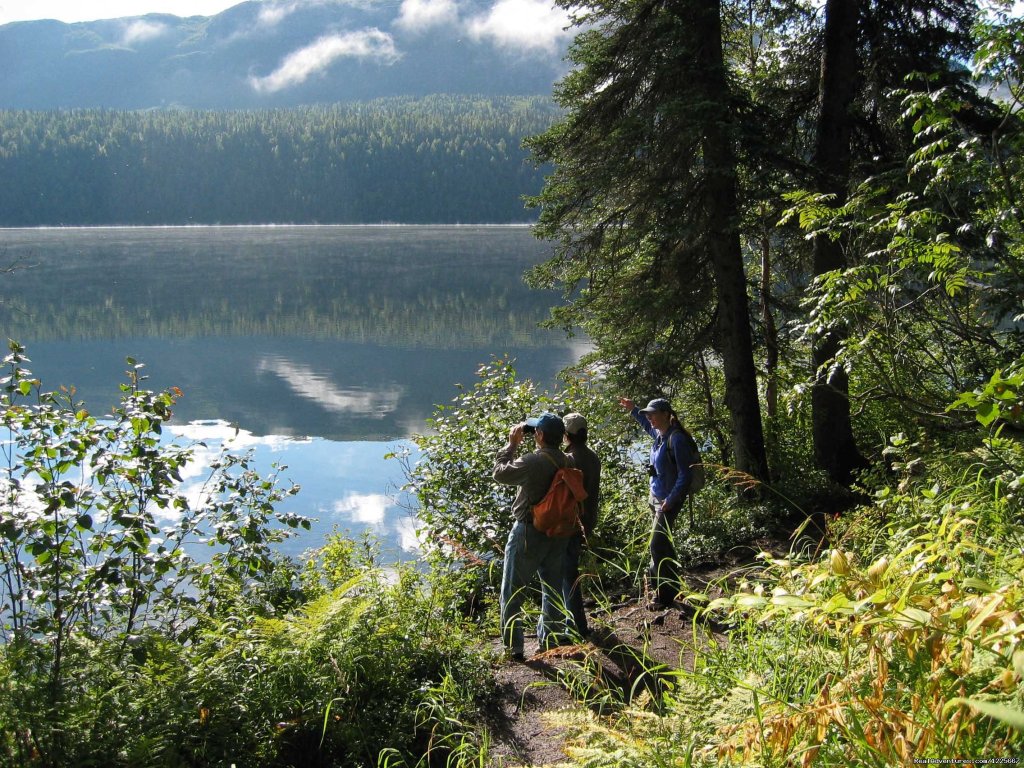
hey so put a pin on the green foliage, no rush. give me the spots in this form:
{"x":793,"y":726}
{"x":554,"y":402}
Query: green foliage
{"x":1000,"y":400}
{"x":926,"y":624}
{"x":87,"y":573}
{"x":628,"y":204}
{"x":930,"y":303}
{"x":129,"y":640}
{"x":376,"y":664}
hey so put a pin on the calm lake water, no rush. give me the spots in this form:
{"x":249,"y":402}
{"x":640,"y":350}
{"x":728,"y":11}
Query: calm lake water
{"x":320,"y":348}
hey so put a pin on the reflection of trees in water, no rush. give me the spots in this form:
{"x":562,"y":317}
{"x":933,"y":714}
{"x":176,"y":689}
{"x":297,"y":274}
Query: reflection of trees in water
{"x":467,"y":324}
{"x":429,"y":287}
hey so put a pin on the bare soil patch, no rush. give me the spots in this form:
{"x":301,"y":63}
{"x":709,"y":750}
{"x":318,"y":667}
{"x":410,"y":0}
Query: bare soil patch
{"x":630,"y":648}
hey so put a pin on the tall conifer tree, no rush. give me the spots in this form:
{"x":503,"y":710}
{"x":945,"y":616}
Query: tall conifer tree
{"x":643,"y":201}
{"x":870,"y":47}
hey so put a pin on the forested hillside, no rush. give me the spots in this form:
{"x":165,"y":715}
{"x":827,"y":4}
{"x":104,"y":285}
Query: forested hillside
{"x":433,"y":160}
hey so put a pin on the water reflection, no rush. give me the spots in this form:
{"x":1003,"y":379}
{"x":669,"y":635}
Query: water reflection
{"x":346,"y":486}
{"x":325,"y":347}
{"x":307,"y":383}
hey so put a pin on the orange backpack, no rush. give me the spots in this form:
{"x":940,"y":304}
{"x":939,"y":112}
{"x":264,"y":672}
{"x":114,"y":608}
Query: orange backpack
{"x":558,"y":513}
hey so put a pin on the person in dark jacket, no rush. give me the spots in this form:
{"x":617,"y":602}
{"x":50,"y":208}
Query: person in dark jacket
{"x":587,"y":462}
{"x":670,"y":472}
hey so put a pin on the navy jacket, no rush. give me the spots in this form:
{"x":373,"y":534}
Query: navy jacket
{"x":672,"y":468}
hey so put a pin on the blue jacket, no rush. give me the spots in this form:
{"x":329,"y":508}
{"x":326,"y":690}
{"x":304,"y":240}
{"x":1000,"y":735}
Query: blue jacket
{"x":672,"y":469}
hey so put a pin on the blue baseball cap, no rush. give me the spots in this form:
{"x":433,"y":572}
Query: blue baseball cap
{"x":657,"y":404}
{"x":550,"y":424}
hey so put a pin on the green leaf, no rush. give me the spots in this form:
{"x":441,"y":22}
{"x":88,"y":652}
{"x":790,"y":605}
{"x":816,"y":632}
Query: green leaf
{"x":749,"y":601}
{"x":912,"y":616}
{"x":987,"y":413}
{"x":1001,"y":712}
{"x":978,"y":585}
{"x":792,"y":601}
{"x":838,"y":603}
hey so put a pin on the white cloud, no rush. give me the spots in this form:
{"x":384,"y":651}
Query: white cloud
{"x":299,"y":65}
{"x":422,"y":15}
{"x":273,"y":13}
{"x":366,"y":508}
{"x":522,"y":24}
{"x":140,"y":31}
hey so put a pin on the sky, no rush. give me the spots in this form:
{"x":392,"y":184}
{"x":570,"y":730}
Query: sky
{"x":521,"y":25}
{"x":90,"y":10}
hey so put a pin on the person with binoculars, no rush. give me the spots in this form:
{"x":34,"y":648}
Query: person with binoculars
{"x":530,"y":552}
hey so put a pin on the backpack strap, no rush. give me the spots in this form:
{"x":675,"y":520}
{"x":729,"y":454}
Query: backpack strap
{"x":568,"y":460}
{"x":547,"y":456}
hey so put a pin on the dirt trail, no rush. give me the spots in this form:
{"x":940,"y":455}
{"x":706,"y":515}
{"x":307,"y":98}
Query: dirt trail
{"x":628,"y":649}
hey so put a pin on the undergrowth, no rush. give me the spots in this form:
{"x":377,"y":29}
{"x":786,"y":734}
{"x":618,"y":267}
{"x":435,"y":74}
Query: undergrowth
{"x":901,"y":641}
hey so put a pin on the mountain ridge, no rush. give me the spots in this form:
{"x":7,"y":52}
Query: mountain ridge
{"x":266,"y":54}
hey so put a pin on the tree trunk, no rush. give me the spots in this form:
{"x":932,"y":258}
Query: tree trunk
{"x":771,"y":332}
{"x":722,"y":216}
{"x":834,"y":447}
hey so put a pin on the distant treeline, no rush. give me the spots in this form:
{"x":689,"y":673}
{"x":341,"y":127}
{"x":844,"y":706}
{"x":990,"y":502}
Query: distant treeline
{"x":433,"y":160}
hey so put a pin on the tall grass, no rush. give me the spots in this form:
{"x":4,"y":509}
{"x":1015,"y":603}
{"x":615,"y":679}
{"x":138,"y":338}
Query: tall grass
{"x":900,"y":642}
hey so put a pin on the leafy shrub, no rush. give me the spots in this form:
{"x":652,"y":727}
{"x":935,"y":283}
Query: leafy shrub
{"x":121,"y":647}
{"x":379,"y":664}
{"x":87,"y":574}
{"x":919,"y":607}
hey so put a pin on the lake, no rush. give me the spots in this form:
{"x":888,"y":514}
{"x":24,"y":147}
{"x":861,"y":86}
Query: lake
{"x":321,"y":348}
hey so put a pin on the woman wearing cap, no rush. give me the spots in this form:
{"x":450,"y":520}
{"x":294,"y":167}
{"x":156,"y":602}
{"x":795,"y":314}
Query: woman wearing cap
{"x":670,"y":475}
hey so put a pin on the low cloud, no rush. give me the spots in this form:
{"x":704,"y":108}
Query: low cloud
{"x":273,"y":13}
{"x":142,"y":31}
{"x":422,"y":15}
{"x":299,"y":65}
{"x":522,"y":25}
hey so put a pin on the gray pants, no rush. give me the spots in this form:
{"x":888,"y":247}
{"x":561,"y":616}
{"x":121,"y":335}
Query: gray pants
{"x":528,"y":553}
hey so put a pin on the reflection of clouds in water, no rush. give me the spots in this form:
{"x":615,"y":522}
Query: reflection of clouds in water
{"x":213,"y":435}
{"x":409,"y":529}
{"x":339,"y":479}
{"x":239,"y":439}
{"x":307,"y":383}
{"x":367,"y":508}
{"x":372,"y":509}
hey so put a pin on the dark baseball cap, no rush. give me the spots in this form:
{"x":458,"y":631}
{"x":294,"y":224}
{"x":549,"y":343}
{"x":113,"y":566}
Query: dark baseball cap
{"x":548,"y":423}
